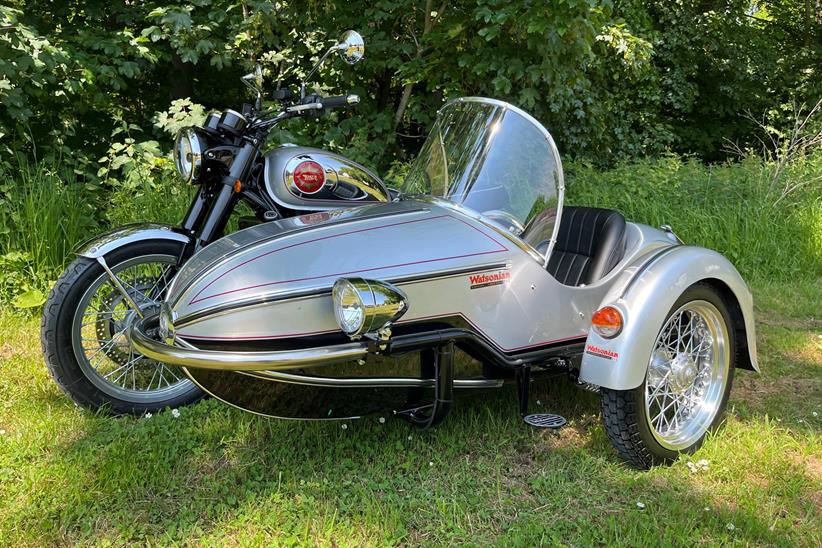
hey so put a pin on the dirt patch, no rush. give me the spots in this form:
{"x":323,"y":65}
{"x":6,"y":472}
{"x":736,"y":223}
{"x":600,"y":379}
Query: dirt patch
{"x":811,"y":464}
{"x":755,"y":391}
{"x":803,"y":324}
{"x":6,"y":351}
{"x":569,"y":437}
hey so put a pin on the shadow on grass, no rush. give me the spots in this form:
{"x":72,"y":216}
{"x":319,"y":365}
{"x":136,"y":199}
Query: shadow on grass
{"x":216,"y":473}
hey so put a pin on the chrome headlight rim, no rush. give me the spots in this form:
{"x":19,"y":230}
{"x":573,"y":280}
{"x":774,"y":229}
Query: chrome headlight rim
{"x":376,"y":305}
{"x":188,"y":162}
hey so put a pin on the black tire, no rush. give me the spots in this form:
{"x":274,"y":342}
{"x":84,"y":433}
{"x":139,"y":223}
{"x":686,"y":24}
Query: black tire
{"x":56,"y":335}
{"x":625,"y":412}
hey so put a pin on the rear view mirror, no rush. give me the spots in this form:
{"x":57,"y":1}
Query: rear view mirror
{"x":351,"y":47}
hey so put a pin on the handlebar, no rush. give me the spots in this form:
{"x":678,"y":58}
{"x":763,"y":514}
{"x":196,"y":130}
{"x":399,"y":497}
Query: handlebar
{"x":313,"y":106}
{"x":340,"y":101}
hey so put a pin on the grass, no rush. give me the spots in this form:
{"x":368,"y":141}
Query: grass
{"x":216,"y":475}
{"x":734,"y":208}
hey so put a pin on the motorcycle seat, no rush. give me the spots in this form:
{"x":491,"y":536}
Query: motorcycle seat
{"x":590,"y":243}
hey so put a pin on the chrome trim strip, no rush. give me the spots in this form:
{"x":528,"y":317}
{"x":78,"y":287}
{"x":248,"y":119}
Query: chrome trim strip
{"x":283,"y":296}
{"x":235,"y":406}
{"x":256,"y":243}
{"x":367,"y":382}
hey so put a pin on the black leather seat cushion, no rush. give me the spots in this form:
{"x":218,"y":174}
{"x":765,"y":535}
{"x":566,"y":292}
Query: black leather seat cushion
{"x":590,"y":243}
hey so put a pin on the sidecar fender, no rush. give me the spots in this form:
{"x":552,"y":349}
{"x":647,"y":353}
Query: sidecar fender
{"x":645,"y":293}
{"x":107,"y":242}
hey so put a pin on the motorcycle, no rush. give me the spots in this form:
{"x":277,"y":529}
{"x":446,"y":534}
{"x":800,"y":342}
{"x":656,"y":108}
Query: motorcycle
{"x":477,"y":252}
{"x":123,"y":275}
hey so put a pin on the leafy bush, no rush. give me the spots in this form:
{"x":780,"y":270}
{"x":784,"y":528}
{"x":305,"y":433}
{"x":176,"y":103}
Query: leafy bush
{"x":612,"y":79}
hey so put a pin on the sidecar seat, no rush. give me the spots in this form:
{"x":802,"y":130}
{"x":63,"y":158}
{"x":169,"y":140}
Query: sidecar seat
{"x":590,"y":243}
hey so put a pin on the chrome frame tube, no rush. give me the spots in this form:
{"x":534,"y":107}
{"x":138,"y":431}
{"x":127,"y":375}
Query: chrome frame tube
{"x":242,"y":361}
{"x":367,"y":382}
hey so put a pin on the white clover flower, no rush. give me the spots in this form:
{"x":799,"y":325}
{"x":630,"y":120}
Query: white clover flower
{"x":2,"y":432}
{"x":381,"y":420}
{"x":175,"y":413}
{"x":344,"y":426}
{"x":148,"y":415}
{"x":640,"y":505}
{"x":695,"y":467}
{"x":431,"y":463}
{"x":409,"y":438}
{"x":706,"y":509}
{"x":730,"y":527}
{"x":815,"y":414}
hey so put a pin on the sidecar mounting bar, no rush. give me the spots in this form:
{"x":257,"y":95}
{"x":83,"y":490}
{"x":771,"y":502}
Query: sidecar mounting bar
{"x":479,"y":347}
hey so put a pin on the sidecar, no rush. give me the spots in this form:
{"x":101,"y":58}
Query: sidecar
{"x":350,"y":312}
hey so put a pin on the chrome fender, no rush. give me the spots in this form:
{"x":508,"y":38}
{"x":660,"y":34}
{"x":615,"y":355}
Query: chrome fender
{"x":105,"y":243}
{"x":644,"y":294}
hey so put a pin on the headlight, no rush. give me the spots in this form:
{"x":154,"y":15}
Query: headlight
{"x":366,"y":306}
{"x":188,"y":155}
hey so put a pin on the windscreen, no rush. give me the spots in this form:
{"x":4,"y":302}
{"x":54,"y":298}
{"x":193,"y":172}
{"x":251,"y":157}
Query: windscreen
{"x":492,"y":158}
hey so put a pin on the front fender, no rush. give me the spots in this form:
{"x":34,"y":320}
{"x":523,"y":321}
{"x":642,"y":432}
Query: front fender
{"x":107,"y":242}
{"x":646,"y":295}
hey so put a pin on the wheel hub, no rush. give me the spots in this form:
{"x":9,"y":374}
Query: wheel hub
{"x":683,"y":372}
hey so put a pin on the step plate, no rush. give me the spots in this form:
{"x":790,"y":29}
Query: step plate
{"x":545,"y":420}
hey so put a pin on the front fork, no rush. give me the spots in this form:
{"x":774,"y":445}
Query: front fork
{"x":206,"y":219}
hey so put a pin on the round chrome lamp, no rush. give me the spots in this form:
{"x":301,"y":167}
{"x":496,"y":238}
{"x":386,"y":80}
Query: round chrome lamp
{"x":364,"y":307}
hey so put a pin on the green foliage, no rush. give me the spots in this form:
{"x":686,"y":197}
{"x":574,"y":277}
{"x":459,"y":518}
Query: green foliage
{"x":44,"y":212}
{"x":612,"y":79}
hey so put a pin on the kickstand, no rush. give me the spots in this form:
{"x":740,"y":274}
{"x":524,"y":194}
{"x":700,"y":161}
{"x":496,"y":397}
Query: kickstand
{"x":443,"y":366}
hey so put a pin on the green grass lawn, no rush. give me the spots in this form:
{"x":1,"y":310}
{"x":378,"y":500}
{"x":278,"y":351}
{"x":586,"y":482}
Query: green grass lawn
{"x":216,"y":475}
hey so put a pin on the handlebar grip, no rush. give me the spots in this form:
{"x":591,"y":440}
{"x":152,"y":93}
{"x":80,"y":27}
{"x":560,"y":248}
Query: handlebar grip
{"x":338,"y":101}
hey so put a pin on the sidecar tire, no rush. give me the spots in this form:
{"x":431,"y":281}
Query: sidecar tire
{"x":625,"y":413}
{"x":56,"y":335}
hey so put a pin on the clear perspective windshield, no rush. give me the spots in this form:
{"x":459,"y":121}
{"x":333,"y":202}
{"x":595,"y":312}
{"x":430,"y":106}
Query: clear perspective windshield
{"x":492,"y":158}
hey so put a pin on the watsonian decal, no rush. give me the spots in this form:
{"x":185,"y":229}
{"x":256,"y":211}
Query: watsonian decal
{"x":601,"y":352}
{"x":486,"y":280}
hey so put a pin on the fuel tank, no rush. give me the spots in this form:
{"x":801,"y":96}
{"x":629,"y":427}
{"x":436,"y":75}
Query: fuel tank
{"x":311,"y":179}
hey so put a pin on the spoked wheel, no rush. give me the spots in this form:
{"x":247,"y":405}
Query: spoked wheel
{"x":683,"y":397}
{"x":84,"y":330}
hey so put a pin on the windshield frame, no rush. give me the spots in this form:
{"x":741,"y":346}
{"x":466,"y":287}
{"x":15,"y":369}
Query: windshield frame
{"x":560,"y":183}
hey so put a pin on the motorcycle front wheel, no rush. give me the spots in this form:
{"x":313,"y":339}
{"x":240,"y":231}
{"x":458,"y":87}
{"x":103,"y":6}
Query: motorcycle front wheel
{"x":84,"y":324}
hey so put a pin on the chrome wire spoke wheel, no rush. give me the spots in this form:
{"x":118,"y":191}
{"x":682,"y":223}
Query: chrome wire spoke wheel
{"x":101,"y":321}
{"x":687,"y":375}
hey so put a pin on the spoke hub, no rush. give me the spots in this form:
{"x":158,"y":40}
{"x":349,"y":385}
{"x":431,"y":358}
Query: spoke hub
{"x":683,"y":372}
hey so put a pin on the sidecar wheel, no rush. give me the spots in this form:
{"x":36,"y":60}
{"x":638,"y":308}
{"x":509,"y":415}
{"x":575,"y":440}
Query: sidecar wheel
{"x":686,"y":388}
{"x":83,"y":326}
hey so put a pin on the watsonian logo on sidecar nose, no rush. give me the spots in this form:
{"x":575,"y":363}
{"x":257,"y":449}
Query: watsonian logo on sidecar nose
{"x":486,"y":280}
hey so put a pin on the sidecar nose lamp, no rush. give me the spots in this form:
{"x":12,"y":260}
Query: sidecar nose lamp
{"x":607,"y":321}
{"x":366,"y":306}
